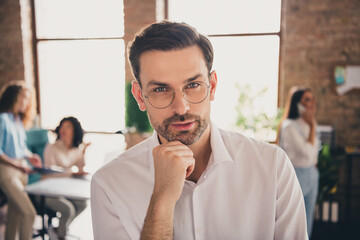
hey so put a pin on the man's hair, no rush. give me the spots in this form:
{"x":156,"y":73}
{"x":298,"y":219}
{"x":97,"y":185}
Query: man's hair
{"x":167,"y":36}
{"x":78,"y":131}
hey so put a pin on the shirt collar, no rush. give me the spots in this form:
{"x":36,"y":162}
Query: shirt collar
{"x":12,"y":116}
{"x":219,"y":150}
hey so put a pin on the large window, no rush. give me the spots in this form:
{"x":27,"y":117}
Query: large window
{"x":81,"y":70}
{"x":80,"y":57}
{"x":246,"y":38}
{"x":80,"y":53}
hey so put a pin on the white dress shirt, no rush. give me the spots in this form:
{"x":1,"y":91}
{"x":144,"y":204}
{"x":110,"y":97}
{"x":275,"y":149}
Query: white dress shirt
{"x":294,"y":135}
{"x":249,"y":190}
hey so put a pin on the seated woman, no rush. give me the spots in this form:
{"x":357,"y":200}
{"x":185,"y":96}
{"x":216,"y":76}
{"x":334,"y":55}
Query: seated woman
{"x":68,"y":151}
{"x":17,"y":109}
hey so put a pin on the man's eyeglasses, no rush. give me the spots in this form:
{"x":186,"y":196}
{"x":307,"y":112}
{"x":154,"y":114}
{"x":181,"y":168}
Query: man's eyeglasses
{"x":162,"y":96}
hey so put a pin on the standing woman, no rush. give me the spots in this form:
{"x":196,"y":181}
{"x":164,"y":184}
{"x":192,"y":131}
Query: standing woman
{"x":17,"y":110}
{"x":67,"y":151}
{"x":297,"y":136}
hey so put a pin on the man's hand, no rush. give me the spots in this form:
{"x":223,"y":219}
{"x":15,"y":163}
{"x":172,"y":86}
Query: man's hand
{"x":35,"y":160}
{"x":173,"y":162}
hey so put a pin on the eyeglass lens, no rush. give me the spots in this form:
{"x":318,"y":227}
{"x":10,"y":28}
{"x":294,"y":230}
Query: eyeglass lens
{"x":193,"y":92}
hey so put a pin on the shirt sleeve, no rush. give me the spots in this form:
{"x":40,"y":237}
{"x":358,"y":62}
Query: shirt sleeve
{"x":300,"y":151}
{"x":106,"y":223}
{"x":290,"y":220}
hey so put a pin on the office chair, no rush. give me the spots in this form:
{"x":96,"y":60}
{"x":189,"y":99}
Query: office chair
{"x":37,"y":139}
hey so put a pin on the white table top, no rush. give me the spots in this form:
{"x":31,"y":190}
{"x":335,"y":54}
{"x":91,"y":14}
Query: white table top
{"x":73,"y":188}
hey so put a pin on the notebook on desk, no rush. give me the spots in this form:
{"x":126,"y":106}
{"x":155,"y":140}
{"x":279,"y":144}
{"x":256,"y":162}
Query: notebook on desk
{"x":45,"y":170}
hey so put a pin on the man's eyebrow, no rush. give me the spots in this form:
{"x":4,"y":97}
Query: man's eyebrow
{"x":193,"y":78}
{"x":162,"y":84}
{"x":154,"y":82}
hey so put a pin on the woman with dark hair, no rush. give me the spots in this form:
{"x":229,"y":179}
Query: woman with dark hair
{"x":297,"y":136}
{"x":68,"y":151}
{"x":17,"y":108}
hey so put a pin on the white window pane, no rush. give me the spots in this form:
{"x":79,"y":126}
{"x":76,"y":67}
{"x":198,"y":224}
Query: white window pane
{"x":83,"y":78}
{"x":79,"y":18}
{"x":241,"y":61}
{"x":228,"y":16}
{"x":103,"y":149}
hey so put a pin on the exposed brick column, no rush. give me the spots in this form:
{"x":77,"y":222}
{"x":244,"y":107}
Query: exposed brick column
{"x":317,"y":35}
{"x":11,"y":48}
{"x":138,"y":13}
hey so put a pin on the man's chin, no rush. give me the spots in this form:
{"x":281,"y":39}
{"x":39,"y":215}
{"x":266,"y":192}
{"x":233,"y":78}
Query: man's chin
{"x":185,"y":137}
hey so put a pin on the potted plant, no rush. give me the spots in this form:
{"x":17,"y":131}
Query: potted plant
{"x":328,"y":165}
{"x":252,"y":122}
{"x":135,"y":120}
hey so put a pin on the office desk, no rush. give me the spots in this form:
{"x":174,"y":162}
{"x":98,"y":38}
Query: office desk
{"x":71,"y":188}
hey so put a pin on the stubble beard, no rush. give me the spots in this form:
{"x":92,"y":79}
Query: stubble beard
{"x":185,"y":137}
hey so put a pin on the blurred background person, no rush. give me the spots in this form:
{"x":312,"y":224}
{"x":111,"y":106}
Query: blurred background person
{"x":297,"y":136}
{"x":17,"y":110}
{"x":67,"y":151}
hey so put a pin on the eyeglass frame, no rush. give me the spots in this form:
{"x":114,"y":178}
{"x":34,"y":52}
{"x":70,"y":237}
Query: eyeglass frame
{"x":184,"y":96}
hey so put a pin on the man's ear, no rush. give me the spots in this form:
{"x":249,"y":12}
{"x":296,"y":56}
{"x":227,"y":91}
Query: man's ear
{"x":136,"y":91}
{"x":213,"y":83}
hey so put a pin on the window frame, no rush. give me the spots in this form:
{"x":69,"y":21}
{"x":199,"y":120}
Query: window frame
{"x":36,"y":41}
{"x":279,"y":34}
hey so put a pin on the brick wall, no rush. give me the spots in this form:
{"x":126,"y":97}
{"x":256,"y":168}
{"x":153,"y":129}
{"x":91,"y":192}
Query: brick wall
{"x":138,"y":13}
{"x":11,"y":51}
{"x":317,"y":35}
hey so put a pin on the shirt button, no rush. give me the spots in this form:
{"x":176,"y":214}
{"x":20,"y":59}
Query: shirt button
{"x":200,"y":230}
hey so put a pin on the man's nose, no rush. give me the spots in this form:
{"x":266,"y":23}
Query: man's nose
{"x":180,"y":105}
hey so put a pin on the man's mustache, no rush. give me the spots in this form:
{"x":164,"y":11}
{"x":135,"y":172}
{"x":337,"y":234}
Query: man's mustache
{"x":181,"y":118}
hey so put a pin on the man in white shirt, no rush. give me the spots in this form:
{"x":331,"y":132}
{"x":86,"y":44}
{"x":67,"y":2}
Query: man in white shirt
{"x":191,"y":180}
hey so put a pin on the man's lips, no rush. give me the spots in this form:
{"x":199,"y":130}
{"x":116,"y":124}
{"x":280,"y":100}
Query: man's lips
{"x":182,"y":126}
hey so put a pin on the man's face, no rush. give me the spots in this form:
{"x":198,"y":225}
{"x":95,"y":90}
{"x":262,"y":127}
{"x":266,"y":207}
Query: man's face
{"x":175,"y":70}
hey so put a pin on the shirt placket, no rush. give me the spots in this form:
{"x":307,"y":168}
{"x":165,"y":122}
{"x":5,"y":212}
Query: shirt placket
{"x":199,"y":227}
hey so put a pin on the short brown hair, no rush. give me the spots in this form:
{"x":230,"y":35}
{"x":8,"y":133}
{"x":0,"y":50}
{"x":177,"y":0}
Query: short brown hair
{"x":166,"y":36}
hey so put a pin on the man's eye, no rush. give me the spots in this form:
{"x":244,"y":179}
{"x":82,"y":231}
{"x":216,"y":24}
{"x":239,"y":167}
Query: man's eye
{"x":160,"y":89}
{"x":193,"y":85}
